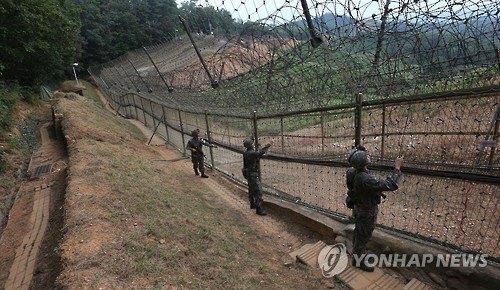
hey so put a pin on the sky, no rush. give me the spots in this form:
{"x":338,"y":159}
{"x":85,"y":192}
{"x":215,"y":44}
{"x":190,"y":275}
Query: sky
{"x":288,"y":10}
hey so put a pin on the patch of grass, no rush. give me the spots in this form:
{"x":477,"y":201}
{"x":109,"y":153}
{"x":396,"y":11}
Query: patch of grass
{"x":91,"y":93}
{"x":9,"y":96}
{"x":204,"y":244}
{"x":13,"y":144}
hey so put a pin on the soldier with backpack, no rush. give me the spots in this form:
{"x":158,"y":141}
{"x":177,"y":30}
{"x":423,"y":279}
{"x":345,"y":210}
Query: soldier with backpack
{"x":365,"y":193}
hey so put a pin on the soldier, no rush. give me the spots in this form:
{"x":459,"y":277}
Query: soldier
{"x":366,"y":195}
{"x":351,"y":172}
{"x":251,"y":173}
{"x":197,"y":156}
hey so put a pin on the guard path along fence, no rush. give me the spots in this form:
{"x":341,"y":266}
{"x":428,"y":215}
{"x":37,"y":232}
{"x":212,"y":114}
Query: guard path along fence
{"x":401,"y":78}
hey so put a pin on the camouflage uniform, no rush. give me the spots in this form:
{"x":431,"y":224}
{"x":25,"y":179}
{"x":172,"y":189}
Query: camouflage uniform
{"x":251,"y":173}
{"x":367,"y":195}
{"x":350,"y":174}
{"x":197,"y":156}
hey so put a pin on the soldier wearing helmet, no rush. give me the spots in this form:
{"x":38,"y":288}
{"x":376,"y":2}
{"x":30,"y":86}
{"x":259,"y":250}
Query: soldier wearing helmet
{"x":251,"y":159}
{"x":197,"y":157}
{"x":365,"y":192}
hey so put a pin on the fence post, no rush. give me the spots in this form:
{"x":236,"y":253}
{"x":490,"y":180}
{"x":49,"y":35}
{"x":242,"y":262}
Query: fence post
{"x":169,"y":88}
{"x":129,"y":79}
{"x":495,"y":137}
{"x":497,"y":50}
{"x":322,"y":133}
{"x":182,"y":132}
{"x":282,"y":137}
{"x":127,"y":104}
{"x":118,"y":74}
{"x":152,"y":113}
{"x":209,"y":140}
{"x":140,"y":77}
{"x":213,"y":82}
{"x":256,"y":136}
{"x":255,"y":131}
{"x":120,"y":104}
{"x":135,"y":106}
{"x":165,"y":120}
{"x":143,"y":111}
{"x":383,"y":133}
{"x":357,"y":119}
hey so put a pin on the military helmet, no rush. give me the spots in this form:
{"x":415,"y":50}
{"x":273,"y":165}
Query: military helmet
{"x":247,"y":142}
{"x":359,"y":159}
{"x":195,"y":133}
{"x":357,"y":148}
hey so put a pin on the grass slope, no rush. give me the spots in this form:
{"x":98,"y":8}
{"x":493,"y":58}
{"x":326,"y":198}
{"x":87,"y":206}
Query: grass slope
{"x":134,"y":223}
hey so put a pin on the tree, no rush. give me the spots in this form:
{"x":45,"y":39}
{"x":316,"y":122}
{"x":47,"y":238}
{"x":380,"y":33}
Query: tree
{"x":38,"y":39}
{"x":207,"y":20}
{"x":110,"y":28}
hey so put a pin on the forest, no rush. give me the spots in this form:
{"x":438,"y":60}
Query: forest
{"x":40,"y":39}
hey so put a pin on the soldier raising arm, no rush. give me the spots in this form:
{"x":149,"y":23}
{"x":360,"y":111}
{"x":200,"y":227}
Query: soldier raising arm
{"x":368,"y":191}
{"x":251,"y":173}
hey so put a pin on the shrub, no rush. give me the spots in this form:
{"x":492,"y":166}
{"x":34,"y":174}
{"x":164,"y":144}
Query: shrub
{"x":9,"y":95}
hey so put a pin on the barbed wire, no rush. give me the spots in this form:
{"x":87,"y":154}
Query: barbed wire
{"x":428,"y":73}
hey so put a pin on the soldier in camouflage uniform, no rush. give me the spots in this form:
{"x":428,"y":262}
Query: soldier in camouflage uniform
{"x":351,"y":172}
{"x":251,"y":173}
{"x":366,"y":195}
{"x":195,"y":145}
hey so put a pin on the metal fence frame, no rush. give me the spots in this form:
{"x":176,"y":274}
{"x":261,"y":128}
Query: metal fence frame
{"x":174,"y":123}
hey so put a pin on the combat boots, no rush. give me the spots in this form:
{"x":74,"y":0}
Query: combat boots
{"x":260,"y":211}
{"x":196,"y":172}
{"x":363,"y":265}
{"x":203,"y":175}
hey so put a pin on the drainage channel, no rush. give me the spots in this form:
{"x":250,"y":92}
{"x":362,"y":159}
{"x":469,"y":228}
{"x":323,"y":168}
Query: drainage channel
{"x":35,"y":221}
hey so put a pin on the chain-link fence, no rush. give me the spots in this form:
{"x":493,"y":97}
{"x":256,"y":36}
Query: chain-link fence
{"x":401,"y":77}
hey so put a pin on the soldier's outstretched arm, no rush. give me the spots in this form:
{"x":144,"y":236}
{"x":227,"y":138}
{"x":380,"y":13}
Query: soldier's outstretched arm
{"x":390,"y":184}
{"x":265,"y":148}
{"x":206,"y":143}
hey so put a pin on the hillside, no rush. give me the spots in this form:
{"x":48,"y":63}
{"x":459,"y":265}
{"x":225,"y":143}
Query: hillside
{"x":132,"y":221}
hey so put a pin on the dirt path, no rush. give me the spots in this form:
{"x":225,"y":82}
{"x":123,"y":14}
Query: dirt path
{"x":235,"y":196}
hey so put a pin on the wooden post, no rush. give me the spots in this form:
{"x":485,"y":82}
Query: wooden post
{"x":383,"y":133}
{"x":182,"y":132}
{"x":209,"y":140}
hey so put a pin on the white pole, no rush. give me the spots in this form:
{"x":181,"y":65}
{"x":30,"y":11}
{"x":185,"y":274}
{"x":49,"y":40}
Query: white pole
{"x":74,"y":72}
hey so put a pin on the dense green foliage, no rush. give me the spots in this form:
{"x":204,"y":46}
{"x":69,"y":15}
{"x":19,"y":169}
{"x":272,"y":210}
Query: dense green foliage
{"x":9,"y":95}
{"x":111,"y":28}
{"x":38,"y":39}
